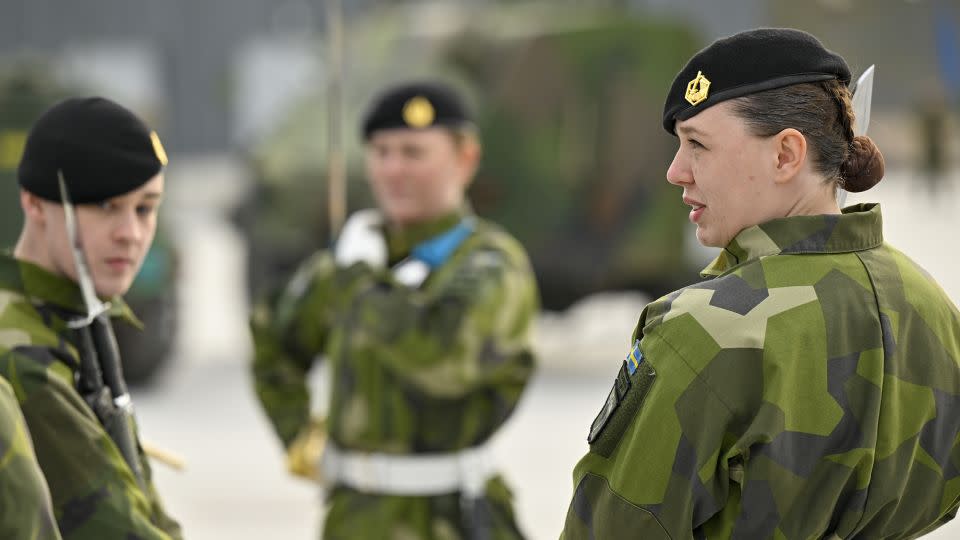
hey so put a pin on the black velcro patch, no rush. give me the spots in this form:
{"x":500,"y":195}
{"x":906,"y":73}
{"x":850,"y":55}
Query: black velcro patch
{"x":621,"y":407}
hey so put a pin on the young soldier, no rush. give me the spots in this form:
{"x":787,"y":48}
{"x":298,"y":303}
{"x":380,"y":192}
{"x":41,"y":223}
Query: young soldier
{"x":56,"y":344}
{"x":424,"y":311}
{"x":811,"y":388}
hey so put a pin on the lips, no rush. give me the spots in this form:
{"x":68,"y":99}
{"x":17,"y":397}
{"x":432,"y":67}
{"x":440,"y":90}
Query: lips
{"x":119,"y":264}
{"x":698,"y":208}
{"x":693,"y":202}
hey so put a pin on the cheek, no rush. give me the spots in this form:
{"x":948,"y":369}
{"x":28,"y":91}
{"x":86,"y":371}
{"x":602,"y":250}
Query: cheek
{"x":61,"y":252}
{"x":149,"y":232}
{"x":424,"y":178}
{"x":370,"y":169}
{"x":96,"y":250}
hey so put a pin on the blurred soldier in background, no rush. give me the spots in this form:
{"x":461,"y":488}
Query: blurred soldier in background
{"x":25,"y":508}
{"x":424,"y":311}
{"x":811,"y":389}
{"x":56,"y":344}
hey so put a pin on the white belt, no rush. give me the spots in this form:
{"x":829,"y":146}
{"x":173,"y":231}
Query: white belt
{"x":466,"y":471}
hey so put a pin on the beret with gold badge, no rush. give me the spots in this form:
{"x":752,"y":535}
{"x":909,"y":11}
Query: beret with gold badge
{"x":747,"y":63}
{"x":415,"y":105}
{"x":102,"y":149}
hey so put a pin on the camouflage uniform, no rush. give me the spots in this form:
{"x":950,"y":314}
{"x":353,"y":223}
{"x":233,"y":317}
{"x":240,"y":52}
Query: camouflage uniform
{"x":95,"y":495}
{"x":809,"y":390}
{"x":25,"y":510}
{"x":414,"y":370}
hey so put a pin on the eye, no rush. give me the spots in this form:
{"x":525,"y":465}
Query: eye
{"x":146,"y":210}
{"x":106,"y":206}
{"x":695,"y":144}
{"x":413,"y":151}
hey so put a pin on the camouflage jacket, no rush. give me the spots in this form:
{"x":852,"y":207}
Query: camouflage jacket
{"x":25,"y":508}
{"x":94,"y":493}
{"x":810,"y":390}
{"x":429,"y":369}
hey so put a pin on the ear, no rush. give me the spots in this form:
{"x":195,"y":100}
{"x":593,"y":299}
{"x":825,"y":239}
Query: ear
{"x":469,"y":157}
{"x":791,"y":148}
{"x":32,"y":207}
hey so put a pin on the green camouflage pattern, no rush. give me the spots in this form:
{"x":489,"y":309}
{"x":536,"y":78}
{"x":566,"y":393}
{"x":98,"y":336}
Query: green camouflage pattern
{"x":433,"y":369}
{"x":810,"y":390}
{"x":94,"y":493}
{"x":25,"y":508}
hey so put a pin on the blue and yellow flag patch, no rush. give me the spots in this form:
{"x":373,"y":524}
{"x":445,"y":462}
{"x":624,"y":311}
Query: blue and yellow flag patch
{"x":635,"y":358}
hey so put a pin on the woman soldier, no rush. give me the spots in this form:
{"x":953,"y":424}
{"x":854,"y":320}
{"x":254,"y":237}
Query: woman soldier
{"x":810,"y":389}
{"x":424,"y":311}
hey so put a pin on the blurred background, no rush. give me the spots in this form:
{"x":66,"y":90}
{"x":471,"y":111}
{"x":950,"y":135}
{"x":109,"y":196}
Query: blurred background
{"x":568,"y":96}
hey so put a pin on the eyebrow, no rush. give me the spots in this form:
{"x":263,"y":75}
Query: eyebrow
{"x":690,"y":130}
{"x":152,"y":195}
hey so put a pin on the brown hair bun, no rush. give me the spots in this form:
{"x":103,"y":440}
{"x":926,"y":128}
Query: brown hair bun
{"x":864,"y":167}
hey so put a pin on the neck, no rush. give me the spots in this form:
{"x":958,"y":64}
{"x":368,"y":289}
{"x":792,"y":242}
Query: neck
{"x":449,"y":214}
{"x":27,"y":250}
{"x":815,"y":202}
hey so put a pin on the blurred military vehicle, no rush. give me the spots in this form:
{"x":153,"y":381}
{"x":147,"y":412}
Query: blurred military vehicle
{"x":568,"y":106}
{"x":27,"y":88}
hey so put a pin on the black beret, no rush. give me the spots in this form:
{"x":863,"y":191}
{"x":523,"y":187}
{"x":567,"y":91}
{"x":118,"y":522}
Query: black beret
{"x":415,"y":105}
{"x":747,"y":63}
{"x":102,"y":149}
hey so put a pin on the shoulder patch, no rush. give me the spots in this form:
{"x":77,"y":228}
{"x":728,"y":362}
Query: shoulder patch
{"x":631,"y":386}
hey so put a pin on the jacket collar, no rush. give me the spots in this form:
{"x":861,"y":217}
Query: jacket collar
{"x":857,"y":228}
{"x":40,"y":286}
{"x":401,"y":241}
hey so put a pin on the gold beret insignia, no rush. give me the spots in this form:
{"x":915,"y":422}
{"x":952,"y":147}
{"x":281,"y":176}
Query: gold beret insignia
{"x":697,"y":89}
{"x":418,"y":112}
{"x":158,"y":148}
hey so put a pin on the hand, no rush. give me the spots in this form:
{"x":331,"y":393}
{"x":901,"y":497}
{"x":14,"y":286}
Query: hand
{"x":361,"y":240}
{"x":304,"y":453}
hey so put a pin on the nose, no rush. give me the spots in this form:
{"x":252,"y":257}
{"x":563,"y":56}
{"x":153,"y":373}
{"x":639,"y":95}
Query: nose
{"x":128,"y":227}
{"x":679,"y":172}
{"x":392,"y":165}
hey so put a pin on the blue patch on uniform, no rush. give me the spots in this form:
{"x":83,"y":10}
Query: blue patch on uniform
{"x":438,"y":249}
{"x":635,"y":358}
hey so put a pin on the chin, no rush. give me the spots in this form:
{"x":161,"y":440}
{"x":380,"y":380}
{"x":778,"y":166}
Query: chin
{"x":109,"y":290}
{"x":402,"y":218}
{"x":708,"y":241}
{"x":702,"y":238}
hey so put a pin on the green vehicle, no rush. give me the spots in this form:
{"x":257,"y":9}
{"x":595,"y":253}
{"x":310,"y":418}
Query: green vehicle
{"x":26,"y":90}
{"x":568,"y":107}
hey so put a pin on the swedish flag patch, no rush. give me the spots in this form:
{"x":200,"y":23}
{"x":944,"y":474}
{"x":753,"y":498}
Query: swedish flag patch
{"x":635,"y":358}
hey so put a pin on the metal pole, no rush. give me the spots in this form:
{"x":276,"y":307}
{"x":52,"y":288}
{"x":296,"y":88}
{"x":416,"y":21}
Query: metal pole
{"x":336,"y":161}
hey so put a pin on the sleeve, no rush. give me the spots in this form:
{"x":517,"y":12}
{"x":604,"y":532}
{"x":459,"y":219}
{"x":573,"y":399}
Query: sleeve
{"x":289,"y":330}
{"x":94,"y":493}
{"x":25,"y":507}
{"x":660,"y":455}
{"x":470,"y":327}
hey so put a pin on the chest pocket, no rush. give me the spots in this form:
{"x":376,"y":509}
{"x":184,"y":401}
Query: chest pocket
{"x":624,"y":400}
